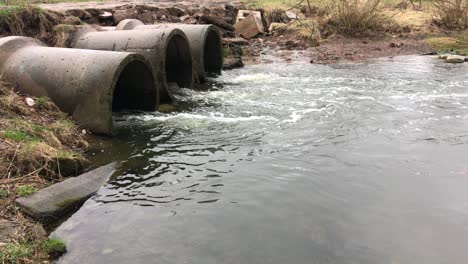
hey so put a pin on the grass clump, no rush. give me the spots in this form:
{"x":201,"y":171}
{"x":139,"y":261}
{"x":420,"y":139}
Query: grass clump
{"x":458,"y":45}
{"x":26,"y":190}
{"x":3,"y":193}
{"x":13,"y":253}
{"x":55,"y":247}
{"x":37,"y":141}
{"x":357,"y":17}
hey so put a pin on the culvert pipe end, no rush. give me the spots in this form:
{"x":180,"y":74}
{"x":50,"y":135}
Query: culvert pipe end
{"x":86,"y":84}
{"x":167,"y":50}
{"x":205,"y":42}
{"x":128,"y":24}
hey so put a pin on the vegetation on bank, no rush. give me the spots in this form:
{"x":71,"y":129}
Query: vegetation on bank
{"x":39,"y":145}
{"x":320,"y":20}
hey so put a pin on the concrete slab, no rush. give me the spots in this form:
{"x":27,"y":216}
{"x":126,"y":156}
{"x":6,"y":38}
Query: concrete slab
{"x":249,"y":27}
{"x":58,"y":199}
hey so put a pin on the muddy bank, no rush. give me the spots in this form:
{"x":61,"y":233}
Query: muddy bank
{"x":56,"y":21}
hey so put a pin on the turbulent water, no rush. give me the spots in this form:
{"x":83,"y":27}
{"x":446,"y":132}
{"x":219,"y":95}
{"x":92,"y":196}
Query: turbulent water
{"x":290,"y":163}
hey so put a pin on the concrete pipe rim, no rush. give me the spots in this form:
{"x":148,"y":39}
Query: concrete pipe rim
{"x":213,"y":54}
{"x":137,"y":72}
{"x":128,"y":24}
{"x":178,"y":60}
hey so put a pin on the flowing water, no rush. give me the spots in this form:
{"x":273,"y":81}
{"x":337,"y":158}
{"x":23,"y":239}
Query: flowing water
{"x":290,"y":163}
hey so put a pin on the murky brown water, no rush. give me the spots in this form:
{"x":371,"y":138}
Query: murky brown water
{"x":291,"y":163}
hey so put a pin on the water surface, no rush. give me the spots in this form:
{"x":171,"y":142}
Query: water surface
{"x":290,"y":163}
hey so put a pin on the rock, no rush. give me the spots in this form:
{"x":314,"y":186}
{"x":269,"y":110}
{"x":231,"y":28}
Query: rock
{"x":120,"y":15}
{"x":105,"y":15}
{"x":58,"y":199}
{"x":184,"y":18}
{"x":175,"y":11}
{"x":236,"y":63}
{"x":291,"y":15}
{"x":444,"y":56}
{"x":147,"y":18}
{"x":455,"y":59}
{"x":7,"y":229}
{"x":249,"y":27}
{"x":216,"y":21}
{"x":277,"y":27}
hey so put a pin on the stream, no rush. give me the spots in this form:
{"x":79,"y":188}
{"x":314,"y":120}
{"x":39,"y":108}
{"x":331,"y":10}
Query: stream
{"x":290,"y":163}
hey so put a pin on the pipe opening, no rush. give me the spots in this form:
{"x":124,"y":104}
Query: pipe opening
{"x":213,"y":55}
{"x":179,"y":62}
{"x":135,"y":89}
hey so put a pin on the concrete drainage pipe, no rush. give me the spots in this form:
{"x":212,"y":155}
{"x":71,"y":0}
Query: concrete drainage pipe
{"x":167,"y":50}
{"x":205,"y":41}
{"x":89,"y":85}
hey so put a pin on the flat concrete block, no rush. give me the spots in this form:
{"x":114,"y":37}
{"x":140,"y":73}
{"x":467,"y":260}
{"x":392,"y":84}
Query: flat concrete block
{"x":58,"y":199}
{"x":249,"y":23}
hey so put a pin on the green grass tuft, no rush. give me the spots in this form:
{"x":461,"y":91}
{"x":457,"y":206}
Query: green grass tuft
{"x":55,"y":247}
{"x":26,"y":190}
{"x":3,"y":194}
{"x":13,"y":253}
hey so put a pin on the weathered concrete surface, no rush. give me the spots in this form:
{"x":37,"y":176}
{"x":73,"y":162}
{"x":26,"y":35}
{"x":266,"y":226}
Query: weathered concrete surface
{"x":89,"y":85}
{"x":167,"y":50}
{"x":60,"y":198}
{"x":205,"y":42}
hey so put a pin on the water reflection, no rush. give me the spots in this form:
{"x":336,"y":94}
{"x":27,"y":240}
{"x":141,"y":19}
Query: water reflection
{"x":290,"y":163}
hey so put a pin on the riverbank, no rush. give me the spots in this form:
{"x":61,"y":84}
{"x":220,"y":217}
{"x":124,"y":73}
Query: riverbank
{"x":39,"y":146}
{"x":41,"y":136}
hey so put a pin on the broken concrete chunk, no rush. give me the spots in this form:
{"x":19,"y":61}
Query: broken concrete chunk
{"x":58,"y":199}
{"x":249,"y":27}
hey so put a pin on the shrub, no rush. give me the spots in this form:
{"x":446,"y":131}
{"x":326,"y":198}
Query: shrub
{"x":451,"y":14}
{"x":357,"y":17}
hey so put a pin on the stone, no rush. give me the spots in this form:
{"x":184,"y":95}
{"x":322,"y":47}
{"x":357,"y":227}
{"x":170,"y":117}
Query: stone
{"x":249,"y":27}
{"x":7,"y":229}
{"x":291,"y":15}
{"x":444,"y":56}
{"x":120,"y":15}
{"x":455,"y":59}
{"x":58,"y":199}
{"x":105,"y":15}
{"x":277,"y":27}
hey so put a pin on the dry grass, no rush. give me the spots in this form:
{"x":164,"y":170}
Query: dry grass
{"x":27,"y":20}
{"x":38,"y":146}
{"x":358,"y":17}
{"x":451,"y":14}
